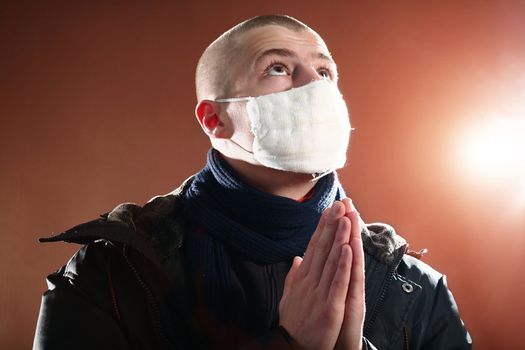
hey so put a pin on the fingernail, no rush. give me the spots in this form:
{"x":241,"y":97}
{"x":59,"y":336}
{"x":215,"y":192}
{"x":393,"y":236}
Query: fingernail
{"x":335,"y":211}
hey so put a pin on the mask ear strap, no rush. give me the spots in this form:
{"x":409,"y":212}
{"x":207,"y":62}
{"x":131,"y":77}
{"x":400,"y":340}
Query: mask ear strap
{"x":317,"y":176}
{"x":238,"y":145}
{"x":235,"y":99}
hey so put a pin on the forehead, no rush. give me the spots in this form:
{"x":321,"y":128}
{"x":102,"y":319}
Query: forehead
{"x":258,"y":40}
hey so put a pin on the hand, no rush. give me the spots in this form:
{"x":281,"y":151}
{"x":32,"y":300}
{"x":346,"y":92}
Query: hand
{"x":313,"y":304}
{"x":351,"y":334}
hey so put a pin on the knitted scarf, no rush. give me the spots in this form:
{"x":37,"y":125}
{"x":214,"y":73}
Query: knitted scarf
{"x":226,"y":216}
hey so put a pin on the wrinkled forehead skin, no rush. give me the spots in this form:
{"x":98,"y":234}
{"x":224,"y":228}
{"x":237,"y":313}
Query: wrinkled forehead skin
{"x":273,"y":34}
{"x":250,"y":45}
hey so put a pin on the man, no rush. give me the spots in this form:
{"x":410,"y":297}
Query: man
{"x":217,"y":263}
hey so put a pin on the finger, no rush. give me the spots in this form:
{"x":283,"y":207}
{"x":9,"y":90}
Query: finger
{"x":340,"y":282}
{"x":342,"y":237}
{"x":290,"y":277}
{"x":356,"y":290}
{"x":348,"y":205}
{"x":324,"y":243}
{"x":355,"y":300}
{"x":356,"y":224}
{"x":307,"y":260}
{"x":309,"y":254}
{"x":352,"y":206}
{"x":358,"y":260}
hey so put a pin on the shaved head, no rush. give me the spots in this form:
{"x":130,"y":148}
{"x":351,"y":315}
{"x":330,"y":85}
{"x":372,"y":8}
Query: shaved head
{"x":212,"y":78}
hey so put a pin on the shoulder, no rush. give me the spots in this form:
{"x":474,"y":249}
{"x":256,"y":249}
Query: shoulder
{"x":419,"y":272}
{"x":407,"y":299}
{"x":382,"y":242}
{"x":408,"y":278}
{"x":152,"y":229}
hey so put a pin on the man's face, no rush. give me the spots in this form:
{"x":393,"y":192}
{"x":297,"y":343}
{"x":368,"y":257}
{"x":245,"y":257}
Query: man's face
{"x":274,"y":59}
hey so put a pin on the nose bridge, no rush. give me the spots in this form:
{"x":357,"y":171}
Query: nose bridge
{"x":305,"y":73}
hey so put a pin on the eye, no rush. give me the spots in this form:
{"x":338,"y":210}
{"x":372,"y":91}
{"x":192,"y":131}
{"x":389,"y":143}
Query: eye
{"x":276,"y":69}
{"x":325,"y":73}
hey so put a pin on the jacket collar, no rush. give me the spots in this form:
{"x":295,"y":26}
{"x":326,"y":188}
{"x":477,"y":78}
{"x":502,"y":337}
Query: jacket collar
{"x":133,"y":225}
{"x":382,"y":243}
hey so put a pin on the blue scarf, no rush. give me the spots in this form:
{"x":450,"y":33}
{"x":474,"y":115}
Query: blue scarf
{"x":227,"y":216}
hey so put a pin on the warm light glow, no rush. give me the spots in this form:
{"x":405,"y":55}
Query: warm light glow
{"x":495,"y":149}
{"x":492,"y":158}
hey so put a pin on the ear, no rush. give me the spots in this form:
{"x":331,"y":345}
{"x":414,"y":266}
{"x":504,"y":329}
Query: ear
{"x":207,"y":113}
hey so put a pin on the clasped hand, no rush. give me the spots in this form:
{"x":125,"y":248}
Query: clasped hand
{"x":323,"y":303}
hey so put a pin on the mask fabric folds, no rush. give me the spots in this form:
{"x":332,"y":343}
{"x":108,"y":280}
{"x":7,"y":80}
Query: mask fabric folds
{"x":303,"y":130}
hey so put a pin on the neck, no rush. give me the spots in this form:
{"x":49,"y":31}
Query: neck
{"x":281,"y":183}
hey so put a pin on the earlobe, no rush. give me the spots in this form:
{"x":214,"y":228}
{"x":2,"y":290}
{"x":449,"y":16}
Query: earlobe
{"x":207,"y":114}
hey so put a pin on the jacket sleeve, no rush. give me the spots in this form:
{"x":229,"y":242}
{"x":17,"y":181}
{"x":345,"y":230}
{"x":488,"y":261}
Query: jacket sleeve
{"x":279,"y":339}
{"x":445,"y":330}
{"x":73,"y":315}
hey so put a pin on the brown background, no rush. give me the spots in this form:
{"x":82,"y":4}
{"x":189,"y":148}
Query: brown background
{"x":97,"y":103}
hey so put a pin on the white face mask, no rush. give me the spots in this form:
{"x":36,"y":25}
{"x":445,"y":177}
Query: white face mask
{"x":302,"y":130}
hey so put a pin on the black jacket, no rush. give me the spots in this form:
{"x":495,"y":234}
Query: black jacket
{"x":126,"y":289}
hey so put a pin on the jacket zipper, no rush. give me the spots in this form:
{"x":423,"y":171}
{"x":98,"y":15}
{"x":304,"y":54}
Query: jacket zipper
{"x":405,"y":331}
{"x":384,"y":289}
{"x":154,"y":307}
{"x":112,"y":289}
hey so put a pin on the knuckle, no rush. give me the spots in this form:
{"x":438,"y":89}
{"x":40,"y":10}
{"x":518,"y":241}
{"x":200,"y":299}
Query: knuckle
{"x":328,"y":314}
{"x":322,"y":245}
{"x":346,"y":221}
{"x":344,"y":264}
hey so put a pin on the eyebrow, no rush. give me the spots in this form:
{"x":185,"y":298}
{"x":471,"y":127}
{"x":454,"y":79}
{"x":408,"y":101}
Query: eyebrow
{"x":289,"y":53}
